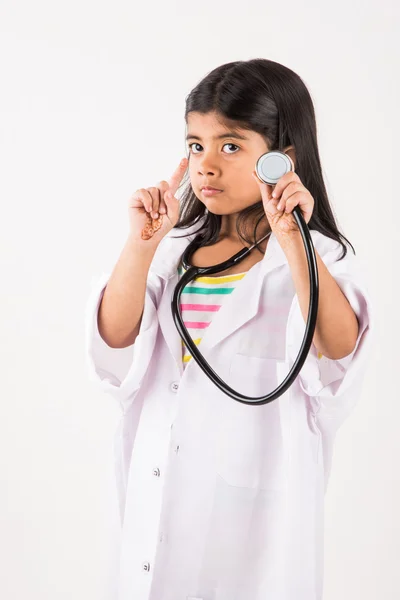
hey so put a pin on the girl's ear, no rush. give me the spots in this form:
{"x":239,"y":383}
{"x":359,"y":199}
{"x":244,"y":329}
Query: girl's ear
{"x":290,"y":151}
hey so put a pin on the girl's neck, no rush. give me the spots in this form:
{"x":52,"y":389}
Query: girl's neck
{"x":231,"y":236}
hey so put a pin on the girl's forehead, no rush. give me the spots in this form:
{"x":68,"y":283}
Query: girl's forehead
{"x":211,"y":119}
{"x":198,"y":123}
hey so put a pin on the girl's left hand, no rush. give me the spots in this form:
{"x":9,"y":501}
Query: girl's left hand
{"x":288,"y":193}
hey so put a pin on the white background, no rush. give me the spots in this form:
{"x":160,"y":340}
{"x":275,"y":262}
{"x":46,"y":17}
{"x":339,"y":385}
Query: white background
{"x":92,"y":101}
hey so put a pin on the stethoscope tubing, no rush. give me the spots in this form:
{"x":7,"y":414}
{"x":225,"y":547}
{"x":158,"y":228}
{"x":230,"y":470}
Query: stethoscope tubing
{"x":193,"y":272}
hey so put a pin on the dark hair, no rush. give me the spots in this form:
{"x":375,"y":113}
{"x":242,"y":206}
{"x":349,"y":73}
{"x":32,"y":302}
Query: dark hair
{"x":266,"y":97}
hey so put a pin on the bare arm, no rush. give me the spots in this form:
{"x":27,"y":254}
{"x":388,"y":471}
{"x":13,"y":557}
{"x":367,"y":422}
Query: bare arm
{"x":337,"y":325}
{"x":120,"y":311}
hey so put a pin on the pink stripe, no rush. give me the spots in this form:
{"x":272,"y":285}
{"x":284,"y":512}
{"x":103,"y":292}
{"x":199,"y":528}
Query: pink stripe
{"x":210,"y":307}
{"x":196,"y":324}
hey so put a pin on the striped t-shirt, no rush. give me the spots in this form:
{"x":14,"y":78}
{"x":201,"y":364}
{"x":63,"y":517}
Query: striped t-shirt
{"x":200,"y":299}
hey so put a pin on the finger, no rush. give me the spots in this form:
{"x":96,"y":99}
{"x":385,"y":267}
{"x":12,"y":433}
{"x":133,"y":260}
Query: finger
{"x":177,"y":176}
{"x":283,"y":182}
{"x":163,"y":186}
{"x":155,"y":195}
{"x":289,"y":191}
{"x":168,"y":198}
{"x":281,"y":204}
{"x":146,"y":198}
{"x":265,"y":188}
{"x":292,"y":201}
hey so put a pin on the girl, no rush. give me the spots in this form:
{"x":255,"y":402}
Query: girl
{"x":221,"y":500}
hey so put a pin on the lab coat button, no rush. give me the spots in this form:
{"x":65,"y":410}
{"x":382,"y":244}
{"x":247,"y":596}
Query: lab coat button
{"x":146,"y":566}
{"x":174,"y":386}
{"x":156,"y":472}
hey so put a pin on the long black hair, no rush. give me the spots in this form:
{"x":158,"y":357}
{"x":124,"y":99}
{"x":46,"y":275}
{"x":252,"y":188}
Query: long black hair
{"x":266,"y":97}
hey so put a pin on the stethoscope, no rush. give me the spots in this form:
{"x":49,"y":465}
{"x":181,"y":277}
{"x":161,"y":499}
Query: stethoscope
{"x":270,"y":167}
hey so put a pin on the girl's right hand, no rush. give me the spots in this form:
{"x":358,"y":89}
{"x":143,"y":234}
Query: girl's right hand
{"x":145,"y":225}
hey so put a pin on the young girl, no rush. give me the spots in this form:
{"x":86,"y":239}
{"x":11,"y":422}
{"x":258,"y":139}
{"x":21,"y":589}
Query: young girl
{"x":221,"y":500}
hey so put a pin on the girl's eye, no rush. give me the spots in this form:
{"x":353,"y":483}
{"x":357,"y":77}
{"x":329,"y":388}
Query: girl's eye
{"x":196,"y":144}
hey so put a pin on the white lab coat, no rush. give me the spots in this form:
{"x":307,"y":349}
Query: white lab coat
{"x":220,"y":500}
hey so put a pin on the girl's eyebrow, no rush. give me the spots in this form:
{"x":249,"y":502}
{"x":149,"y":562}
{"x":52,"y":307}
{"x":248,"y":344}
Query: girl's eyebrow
{"x":230,"y":134}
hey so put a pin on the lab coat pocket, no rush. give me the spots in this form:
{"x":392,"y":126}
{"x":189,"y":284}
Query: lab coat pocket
{"x":250,"y":451}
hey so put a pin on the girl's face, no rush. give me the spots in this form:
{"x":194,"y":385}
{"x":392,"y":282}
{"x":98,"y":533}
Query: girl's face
{"x":224,"y":162}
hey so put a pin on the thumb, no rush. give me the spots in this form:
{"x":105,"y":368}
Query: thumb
{"x":170,"y":199}
{"x":171,"y":202}
{"x":270,"y":203}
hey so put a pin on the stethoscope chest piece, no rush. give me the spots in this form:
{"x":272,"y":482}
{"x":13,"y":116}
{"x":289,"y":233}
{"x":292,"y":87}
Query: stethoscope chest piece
{"x":272,"y":165}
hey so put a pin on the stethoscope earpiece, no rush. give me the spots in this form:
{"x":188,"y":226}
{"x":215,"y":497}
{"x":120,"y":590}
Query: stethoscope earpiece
{"x":272,"y":165}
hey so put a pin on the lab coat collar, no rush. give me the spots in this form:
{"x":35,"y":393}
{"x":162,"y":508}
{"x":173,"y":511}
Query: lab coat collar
{"x":230,"y":317}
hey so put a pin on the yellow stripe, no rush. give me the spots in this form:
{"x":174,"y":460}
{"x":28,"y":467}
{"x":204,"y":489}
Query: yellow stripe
{"x":187,"y":357}
{"x":221,"y":279}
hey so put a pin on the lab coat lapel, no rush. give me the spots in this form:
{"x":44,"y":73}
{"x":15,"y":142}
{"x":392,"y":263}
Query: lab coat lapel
{"x":165,"y":265}
{"x":242,"y":305}
{"x":237,"y":309}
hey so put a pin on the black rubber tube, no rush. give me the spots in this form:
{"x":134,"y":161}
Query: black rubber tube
{"x":193,"y":272}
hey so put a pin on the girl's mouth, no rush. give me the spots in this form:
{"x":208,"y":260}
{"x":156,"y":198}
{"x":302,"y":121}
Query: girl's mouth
{"x":211,"y":192}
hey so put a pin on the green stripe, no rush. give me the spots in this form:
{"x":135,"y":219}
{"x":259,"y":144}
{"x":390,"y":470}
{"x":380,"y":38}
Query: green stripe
{"x":197,"y":290}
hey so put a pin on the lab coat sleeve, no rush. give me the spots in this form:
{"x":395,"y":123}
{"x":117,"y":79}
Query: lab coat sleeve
{"x":334,"y":386}
{"x":119,"y":371}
